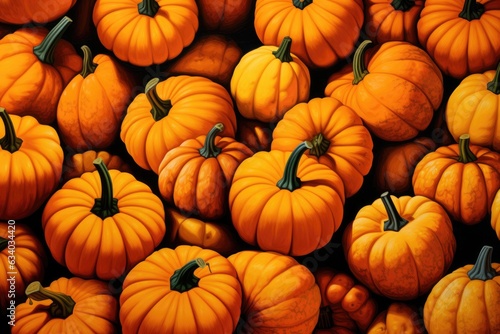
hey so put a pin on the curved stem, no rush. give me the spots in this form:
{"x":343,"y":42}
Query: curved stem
{"x":159,"y":107}
{"x":88,"y":65}
{"x":465,"y":155}
{"x":395,"y":222}
{"x":325,"y":320}
{"x":358,"y":65}
{"x":472,"y":10}
{"x":209,"y":149}
{"x":403,"y":5}
{"x":62,"y":304}
{"x":320,"y":145}
{"x":290,"y":180}
{"x":45,"y":50}
{"x":301,"y":4}
{"x":3,"y":243}
{"x":183,"y":279}
{"x":10,"y":142}
{"x":148,"y":7}
{"x":494,"y":85}
{"x":283,"y":52}
{"x":482,"y":269}
{"x":106,"y":205}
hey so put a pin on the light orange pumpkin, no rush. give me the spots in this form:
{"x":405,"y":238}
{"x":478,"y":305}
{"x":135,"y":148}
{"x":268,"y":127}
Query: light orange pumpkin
{"x":80,"y":163}
{"x":32,"y":11}
{"x":398,"y":318}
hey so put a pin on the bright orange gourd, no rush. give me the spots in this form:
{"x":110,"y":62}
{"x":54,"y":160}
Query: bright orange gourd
{"x":80,"y":163}
{"x":33,"y":11}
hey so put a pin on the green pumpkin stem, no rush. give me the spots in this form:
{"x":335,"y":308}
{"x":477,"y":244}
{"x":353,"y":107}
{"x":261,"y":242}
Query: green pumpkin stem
{"x":88,"y":65}
{"x":3,"y":243}
{"x":301,"y":4}
{"x":183,"y":279}
{"x":62,"y":304}
{"x":159,"y":107}
{"x":482,"y":269}
{"x":106,"y":205}
{"x":209,"y":149}
{"x":10,"y":142}
{"x":290,"y":180}
{"x":395,"y":221}
{"x":358,"y":65}
{"x":325,"y":320}
{"x":472,"y":10}
{"x":283,"y":51}
{"x":403,"y":5}
{"x":148,"y":7}
{"x":320,"y":145}
{"x":465,"y":155}
{"x":494,"y":85}
{"x":45,"y":50}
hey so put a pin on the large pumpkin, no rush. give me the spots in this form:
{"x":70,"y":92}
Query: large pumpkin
{"x":394,"y":87}
{"x":396,"y":319}
{"x":226,"y":16}
{"x":33,"y":11}
{"x":172,"y":111}
{"x":80,"y":163}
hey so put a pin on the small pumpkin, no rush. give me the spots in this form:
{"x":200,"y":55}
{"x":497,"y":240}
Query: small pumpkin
{"x":254,"y":134}
{"x":103,"y":223}
{"x":439,"y":176}
{"x":495,"y":214}
{"x":172,"y":111}
{"x":32,"y":11}
{"x":80,"y":163}
{"x":67,"y":305}
{"x":398,"y":318}
{"x":399,"y":247}
{"x":268,"y":81}
{"x":466,"y":300}
{"x":225,"y":16}
{"x":183,"y":290}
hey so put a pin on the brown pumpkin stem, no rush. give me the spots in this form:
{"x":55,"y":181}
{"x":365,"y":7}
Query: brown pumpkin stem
{"x":183,"y":279}
{"x":403,"y":5}
{"x":319,"y":145}
{"x":301,"y":4}
{"x":148,"y":7}
{"x":159,"y":107}
{"x":465,"y":155}
{"x":472,"y":10}
{"x":62,"y":304}
{"x":88,"y":65}
{"x":45,"y":50}
{"x":290,"y":180}
{"x":3,"y":243}
{"x":209,"y":149}
{"x":358,"y":64}
{"x":10,"y":142}
{"x":325,"y":320}
{"x":494,"y":85}
{"x":283,"y":51}
{"x":106,"y":205}
{"x":482,"y":269}
{"x":395,"y":222}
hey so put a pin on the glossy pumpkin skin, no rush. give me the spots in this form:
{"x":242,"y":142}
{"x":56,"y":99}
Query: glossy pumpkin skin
{"x":398,"y":318}
{"x":145,"y":32}
{"x":312,"y":25}
{"x":463,"y":178}
{"x":461,"y":36}
{"x":80,"y":163}
{"x":254,"y":134}
{"x":495,"y":214}
{"x":225,"y":16}
{"x":33,"y":81}
{"x":172,"y":111}
{"x":88,"y":307}
{"x":398,"y":89}
{"x":30,"y":11}
{"x":279,"y":294}
{"x":400,"y":260}
{"x":32,"y":160}
{"x":152,"y":301}
{"x":340,"y":140}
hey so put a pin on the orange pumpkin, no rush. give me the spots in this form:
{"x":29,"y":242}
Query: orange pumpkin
{"x":394,"y":87}
{"x":461,"y":36}
{"x":495,"y":214}
{"x":165,"y":28}
{"x":398,"y":318}
{"x":172,"y":111}
{"x":196,"y":176}
{"x":466,"y":300}
{"x":103,"y":223}
{"x":339,"y":139}
{"x":36,"y":65}
{"x":286,"y":202}
{"x":439,"y":176}
{"x":31,"y":158}
{"x":92,"y":106}
{"x":68,"y":305}
{"x":313,"y":25}
{"x":279,"y":294}
{"x":400,"y":247}
{"x":225,"y":16}
{"x":30,"y":11}
{"x":254,"y":134}
{"x":80,"y":163}
{"x":173,"y":291}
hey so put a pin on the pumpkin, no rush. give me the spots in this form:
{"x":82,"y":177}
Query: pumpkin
{"x":286,"y":202}
{"x":439,"y":176}
{"x":473,"y":108}
{"x":23,"y":261}
{"x":165,"y":28}
{"x":36,"y":65}
{"x":461,"y":36}
{"x":313,"y":25}
{"x":173,"y":291}
{"x":83,"y":30}
{"x":339,"y":138}
{"x":103,"y":223}
{"x":225,"y":16}
{"x":32,"y":158}
{"x":80,"y":163}
{"x":67,"y":305}
{"x":399,"y":247}
{"x":210,"y":56}
{"x":30,"y":11}
{"x":495,"y":214}
{"x":279,"y":294}
{"x":172,"y":111}
{"x":394,"y":87}
{"x":466,"y":300}
{"x":268,"y":81}
{"x":398,"y":318}
{"x":392,"y":20}
{"x":395,"y":164}
{"x":254,"y":134}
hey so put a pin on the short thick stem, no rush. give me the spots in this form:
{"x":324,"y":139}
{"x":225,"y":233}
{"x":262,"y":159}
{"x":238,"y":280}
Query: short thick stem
{"x":283,"y":51}
{"x":290,"y":181}
{"x":106,"y":205}
{"x":88,"y":65}
{"x":301,"y":4}
{"x":62,"y":304}
{"x":403,"y":5}
{"x":209,"y":149}
{"x":494,"y":85}
{"x":359,"y":67}
{"x":320,"y":145}
{"x":148,"y":7}
{"x":465,"y":154}
{"x":3,"y":243}
{"x":10,"y":142}
{"x":482,"y":269}
{"x":159,"y":107}
{"x":45,"y":50}
{"x":472,"y":10}
{"x":395,"y":221}
{"x":183,"y":279}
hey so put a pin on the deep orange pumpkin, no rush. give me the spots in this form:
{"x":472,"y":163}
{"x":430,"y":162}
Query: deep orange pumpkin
{"x":226,"y":16}
{"x":27,"y":11}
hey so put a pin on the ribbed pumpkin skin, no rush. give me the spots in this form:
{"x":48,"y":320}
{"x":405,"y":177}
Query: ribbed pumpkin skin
{"x":26,"y":11}
{"x":80,"y":163}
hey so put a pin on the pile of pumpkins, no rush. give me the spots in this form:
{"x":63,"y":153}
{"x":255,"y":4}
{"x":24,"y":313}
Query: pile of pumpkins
{"x":174,"y":174}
